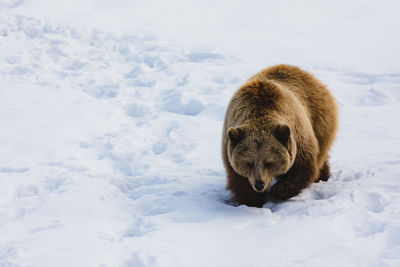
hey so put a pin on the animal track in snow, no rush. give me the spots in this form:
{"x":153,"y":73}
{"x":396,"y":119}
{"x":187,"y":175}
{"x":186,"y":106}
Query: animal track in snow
{"x":138,"y":229}
{"x":200,"y":56}
{"x":13,"y":170}
{"x":173,"y":103}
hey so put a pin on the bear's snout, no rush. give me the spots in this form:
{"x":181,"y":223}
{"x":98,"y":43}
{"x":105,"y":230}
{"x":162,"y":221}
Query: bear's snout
{"x":259,"y":185}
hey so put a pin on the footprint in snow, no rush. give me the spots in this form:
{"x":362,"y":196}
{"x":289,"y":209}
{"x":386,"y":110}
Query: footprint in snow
{"x":13,"y":170}
{"x":159,"y":147}
{"x":107,"y":90}
{"x":155,"y":62}
{"x":368,"y":227}
{"x":137,"y":110}
{"x":321,"y":193}
{"x":76,"y":65}
{"x":172,"y":102}
{"x":372,"y":201}
{"x":201,"y":56}
{"x":374,"y":97}
{"x":138,"y":228}
{"x":133,"y":73}
{"x":141,"y":82}
{"x":141,"y":260}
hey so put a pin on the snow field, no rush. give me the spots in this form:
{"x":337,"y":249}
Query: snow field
{"x":110,"y":156}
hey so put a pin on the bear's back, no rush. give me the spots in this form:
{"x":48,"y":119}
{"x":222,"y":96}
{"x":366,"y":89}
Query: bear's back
{"x":305,"y":86}
{"x":314,"y":95}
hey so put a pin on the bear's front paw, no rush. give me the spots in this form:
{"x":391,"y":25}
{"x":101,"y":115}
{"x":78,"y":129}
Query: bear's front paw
{"x":282,"y":191}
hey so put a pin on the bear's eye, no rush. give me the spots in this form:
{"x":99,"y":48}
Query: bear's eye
{"x":267,"y":164}
{"x":250,"y":165}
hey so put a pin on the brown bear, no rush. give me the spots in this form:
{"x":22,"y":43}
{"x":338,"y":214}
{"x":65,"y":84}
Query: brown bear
{"x":278,"y":129}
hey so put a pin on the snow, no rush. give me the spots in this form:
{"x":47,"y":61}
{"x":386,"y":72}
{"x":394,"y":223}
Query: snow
{"x":111,"y":115}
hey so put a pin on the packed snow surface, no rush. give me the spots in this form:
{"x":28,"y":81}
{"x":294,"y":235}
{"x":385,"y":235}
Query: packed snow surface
{"x":111,"y":116}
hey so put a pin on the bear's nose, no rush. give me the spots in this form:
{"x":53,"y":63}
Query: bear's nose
{"x":259,"y":185}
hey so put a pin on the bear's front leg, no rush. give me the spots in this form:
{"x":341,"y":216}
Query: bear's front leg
{"x":294,"y":181}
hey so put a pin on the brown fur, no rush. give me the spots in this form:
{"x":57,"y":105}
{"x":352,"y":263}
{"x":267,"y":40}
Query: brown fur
{"x":280,"y":123}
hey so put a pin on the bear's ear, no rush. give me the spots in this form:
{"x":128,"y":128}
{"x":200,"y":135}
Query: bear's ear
{"x":282,"y":133}
{"x":235,"y":135}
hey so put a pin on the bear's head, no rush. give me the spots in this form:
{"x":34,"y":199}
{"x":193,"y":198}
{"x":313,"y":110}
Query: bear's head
{"x":261,"y":153}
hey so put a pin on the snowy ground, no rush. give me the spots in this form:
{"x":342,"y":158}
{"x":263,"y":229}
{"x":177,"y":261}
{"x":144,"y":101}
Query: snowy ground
{"x":110,"y":139}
